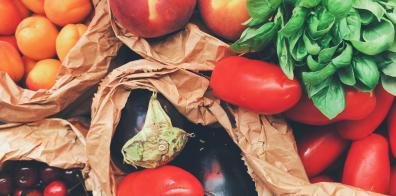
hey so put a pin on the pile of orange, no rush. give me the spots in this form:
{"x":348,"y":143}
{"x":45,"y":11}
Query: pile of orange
{"x":36,"y":35}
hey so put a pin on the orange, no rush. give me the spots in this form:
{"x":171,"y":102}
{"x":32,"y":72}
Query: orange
{"x":68,"y":37}
{"x":64,"y":12}
{"x":29,"y":64}
{"x":36,"y":37}
{"x":9,"y":17}
{"x":10,"y":39}
{"x":23,"y":11}
{"x":10,"y":61}
{"x":43,"y":75}
{"x":37,"y":6}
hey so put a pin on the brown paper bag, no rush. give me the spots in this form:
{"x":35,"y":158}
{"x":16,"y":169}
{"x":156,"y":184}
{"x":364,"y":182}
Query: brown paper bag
{"x":84,"y":66}
{"x":267,"y":143}
{"x":56,"y":142}
{"x":189,"y":48}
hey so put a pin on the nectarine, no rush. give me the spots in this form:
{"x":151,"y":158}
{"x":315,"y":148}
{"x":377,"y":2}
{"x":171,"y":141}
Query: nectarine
{"x":10,"y":39}
{"x":225,"y":17}
{"x":37,"y":6}
{"x":68,"y":37}
{"x":36,"y":37}
{"x":63,"y":12}
{"x":10,"y":61}
{"x":9,"y":17}
{"x":152,"y":18}
{"x":43,"y":75}
{"x":29,"y":64}
{"x":25,"y":12}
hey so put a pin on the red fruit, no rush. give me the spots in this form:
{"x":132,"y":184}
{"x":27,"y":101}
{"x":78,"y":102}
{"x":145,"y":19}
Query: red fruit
{"x":367,"y":165}
{"x":255,"y":85}
{"x":18,"y":192}
{"x":56,"y":188}
{"x":392,"y":190}
{"x":33,"y":193}
{"x":165,"y":181}
{"x":392,"y":129}
{"x":26,"y":177}
{"x":5,"y":184}
{"x":49,"y":174}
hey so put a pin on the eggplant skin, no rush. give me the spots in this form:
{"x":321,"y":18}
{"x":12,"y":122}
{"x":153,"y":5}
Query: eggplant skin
{"x":215,"y":160}
{"x":132,"y":120}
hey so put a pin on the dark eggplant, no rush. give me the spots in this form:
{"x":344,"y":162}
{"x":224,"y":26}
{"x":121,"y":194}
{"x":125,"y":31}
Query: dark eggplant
{"x":133,"y":117}
{"x":215,"y":160}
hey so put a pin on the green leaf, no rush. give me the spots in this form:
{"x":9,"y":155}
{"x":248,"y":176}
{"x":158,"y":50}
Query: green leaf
{"x":261,"y":10}
{"x":314,"y":78}
{"x":320,"y":23}
{"x":255,"y":39}
{"x":309,"y":3}
{"x":315,"y":89}
{"x":378,"y":38}
{"x":330,"y":100}
{"x":345,"y":58}
{"x":350,"y":26}
{"x":366,"y":71}
{"x":313,"y":65}
{"x":392,"y":17}
{"x":339,"y":8}
{"x":347,"y":76}
{"x":373,"y":7}
{"x":389,"y":84}
{"x":313,"y":48}
{"x":327,"y":54}
{"x":297,"y":47}
{"x":295,"y":23}
{"x":285,"y":60}
{"x":390,"y":69}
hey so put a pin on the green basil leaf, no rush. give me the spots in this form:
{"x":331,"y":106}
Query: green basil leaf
{"x":313,"y":65}
{"x":261,"y":10}
{"x":320,"y":23}
{"x":339,"y":8}
{"x":347,"y":76}
{"x":285,"y":60}
{"x":350,"y":26}
{"x":366,"y":71}
{"x":316,"y":77}
{"x":326,"y":40}
{"x":327,"y":54}
{"x":330,"y":100}
{"x":345,"y":58}
{"x":309,"y":3}
{"x":312,"y":47}
{"x":297,"y":47}
{"x":392,"y":17}
{"x":255,"y":39}
{"x":378,"y":38}
{"x":315,"y":89}
{"x":389,"y":84}
{"x":390,"y":69}
{"x":366,"y":17}
{"x":372,"y":6}
{"x":295,"y":23}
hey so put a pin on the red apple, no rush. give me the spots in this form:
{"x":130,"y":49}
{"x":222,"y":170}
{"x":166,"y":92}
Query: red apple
{"x":225,"y":17}
{"x":152,"y":18}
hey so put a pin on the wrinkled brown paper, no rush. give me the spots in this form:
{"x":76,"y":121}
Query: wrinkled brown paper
{"x":83,"y":67}
{"x":189,"y":48}
{"x":267,"y":143}
{"x":56,"y":142}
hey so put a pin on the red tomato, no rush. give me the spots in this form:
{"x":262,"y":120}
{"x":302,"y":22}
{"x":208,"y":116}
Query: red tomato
{"x":392,"y":185}
{"x":359,"y":129}
{"x":255,"y":85}
{"x":392,"y":129}
{"x":162,"y":181}
{"x":321,"y":179}
{"x":319,"y":148}
{"x":306,"y":112}
{"x":55,"y":188}
{"x":367,"y":165}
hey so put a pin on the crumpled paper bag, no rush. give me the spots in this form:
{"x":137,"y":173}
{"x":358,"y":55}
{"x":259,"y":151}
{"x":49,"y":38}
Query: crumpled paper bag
{"x":84,"y":66}
{"x":57,"y":142}
{"x":190,"y":48}
{"x":267,"y":143}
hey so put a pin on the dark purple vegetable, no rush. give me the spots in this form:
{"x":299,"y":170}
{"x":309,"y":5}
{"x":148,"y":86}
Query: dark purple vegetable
{"x":215,"y":160}
{"x":132,"y":120}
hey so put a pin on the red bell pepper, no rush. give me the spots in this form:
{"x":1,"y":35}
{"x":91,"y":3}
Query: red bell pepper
{"x":392,"y":129}
{"x":359,"y":129}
